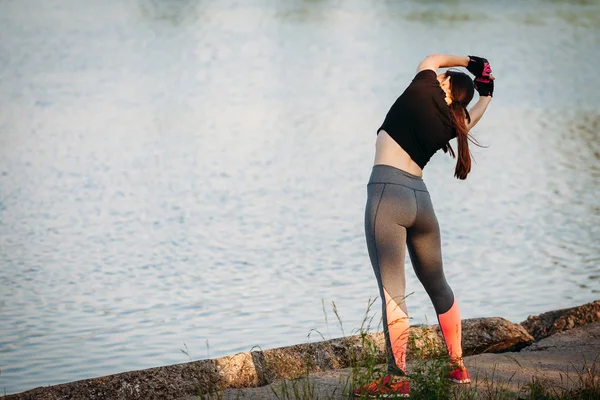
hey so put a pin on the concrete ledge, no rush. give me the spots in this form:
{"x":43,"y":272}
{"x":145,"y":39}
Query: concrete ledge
{"x":259,"y":368}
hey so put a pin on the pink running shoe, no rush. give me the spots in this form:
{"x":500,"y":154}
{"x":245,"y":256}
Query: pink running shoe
{"x":459,"y":374}
{"x":384,"y":388}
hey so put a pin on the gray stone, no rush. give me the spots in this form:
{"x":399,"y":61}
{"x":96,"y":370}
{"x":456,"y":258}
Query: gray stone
{"x":167,"y":382}
{"x":585,"y":340}
{"x":493,"y":335}
{"x":479,"y":335}
{"x":562,"y":362}
{"x":549,"y":323}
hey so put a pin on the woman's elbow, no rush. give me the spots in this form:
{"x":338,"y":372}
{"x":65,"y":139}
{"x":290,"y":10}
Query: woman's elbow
{"x":432,"y":61}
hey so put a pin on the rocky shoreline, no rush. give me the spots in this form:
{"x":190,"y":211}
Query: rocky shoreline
{"x":260,"y":368}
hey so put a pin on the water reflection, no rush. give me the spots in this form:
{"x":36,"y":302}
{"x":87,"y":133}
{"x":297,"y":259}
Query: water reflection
{"x":304,"y":10}
{"x":578,"y":145}
{"x":174,"y":13}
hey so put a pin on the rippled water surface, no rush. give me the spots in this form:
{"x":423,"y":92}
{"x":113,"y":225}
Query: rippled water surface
{"x":190,"y":175}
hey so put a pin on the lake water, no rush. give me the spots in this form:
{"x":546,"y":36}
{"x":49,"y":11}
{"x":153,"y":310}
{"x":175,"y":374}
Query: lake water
{"x":190,"y":176}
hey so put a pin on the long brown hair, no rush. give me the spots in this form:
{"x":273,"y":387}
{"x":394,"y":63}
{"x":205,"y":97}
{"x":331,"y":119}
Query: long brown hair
{"x":461,"y":91}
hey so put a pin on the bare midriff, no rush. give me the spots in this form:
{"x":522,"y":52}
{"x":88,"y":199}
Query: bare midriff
{"x":388,"y":152}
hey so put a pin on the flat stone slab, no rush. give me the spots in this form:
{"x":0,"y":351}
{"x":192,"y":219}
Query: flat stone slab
{"x":555,"y":361}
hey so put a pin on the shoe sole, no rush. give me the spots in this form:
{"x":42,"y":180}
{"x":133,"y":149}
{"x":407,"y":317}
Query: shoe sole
{"x":459,"y":381}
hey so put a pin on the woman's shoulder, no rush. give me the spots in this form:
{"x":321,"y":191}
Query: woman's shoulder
{"x":426,"y":75}
{"x":426,"y":86}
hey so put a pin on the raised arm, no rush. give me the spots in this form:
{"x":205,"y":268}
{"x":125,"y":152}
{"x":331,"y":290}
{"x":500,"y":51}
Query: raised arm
{"x":437,"y":61}
{"x":476,"y":112}
{"x":484,"y":81}
{"x":484,"y":85}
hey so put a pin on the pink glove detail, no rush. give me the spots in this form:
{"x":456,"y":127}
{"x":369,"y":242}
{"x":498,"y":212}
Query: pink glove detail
{"x":487,"y":69}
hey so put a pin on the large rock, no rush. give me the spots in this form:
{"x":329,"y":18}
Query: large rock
{"x":549,"y":323}
{"x":493,"y":335}
{"x":479,"y":335}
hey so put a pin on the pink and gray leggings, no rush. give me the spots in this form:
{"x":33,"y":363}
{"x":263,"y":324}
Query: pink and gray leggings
{"x":399,"y":215}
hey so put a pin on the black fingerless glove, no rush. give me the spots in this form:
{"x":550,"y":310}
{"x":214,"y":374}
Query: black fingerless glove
{"x":479,"y":67}
{"x":484,"y":86}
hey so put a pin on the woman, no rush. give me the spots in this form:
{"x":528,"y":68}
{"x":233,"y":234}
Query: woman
{"x":399,"y":213}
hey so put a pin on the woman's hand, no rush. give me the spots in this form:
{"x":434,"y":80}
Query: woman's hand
{"x":484,"y":86}
{"x":479,"y":66}
{"x":484,"y":80}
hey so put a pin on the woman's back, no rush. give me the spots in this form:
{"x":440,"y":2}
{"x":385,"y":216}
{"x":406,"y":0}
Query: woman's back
{"x":418,"y":123}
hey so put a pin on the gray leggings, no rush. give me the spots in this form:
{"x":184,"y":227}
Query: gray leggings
{"x":399,"y":214}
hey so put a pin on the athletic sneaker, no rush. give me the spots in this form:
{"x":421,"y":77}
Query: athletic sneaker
{"x":384,"y":388}
{"x":459,"y":374}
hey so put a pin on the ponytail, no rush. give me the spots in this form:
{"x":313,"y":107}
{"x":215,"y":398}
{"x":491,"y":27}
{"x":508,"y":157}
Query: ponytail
{"x":462,"y":91}
{"x":460,"y":115}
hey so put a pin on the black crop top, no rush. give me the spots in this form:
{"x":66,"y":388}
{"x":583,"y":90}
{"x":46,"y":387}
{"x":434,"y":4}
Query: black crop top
{"x":419,"y":121}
